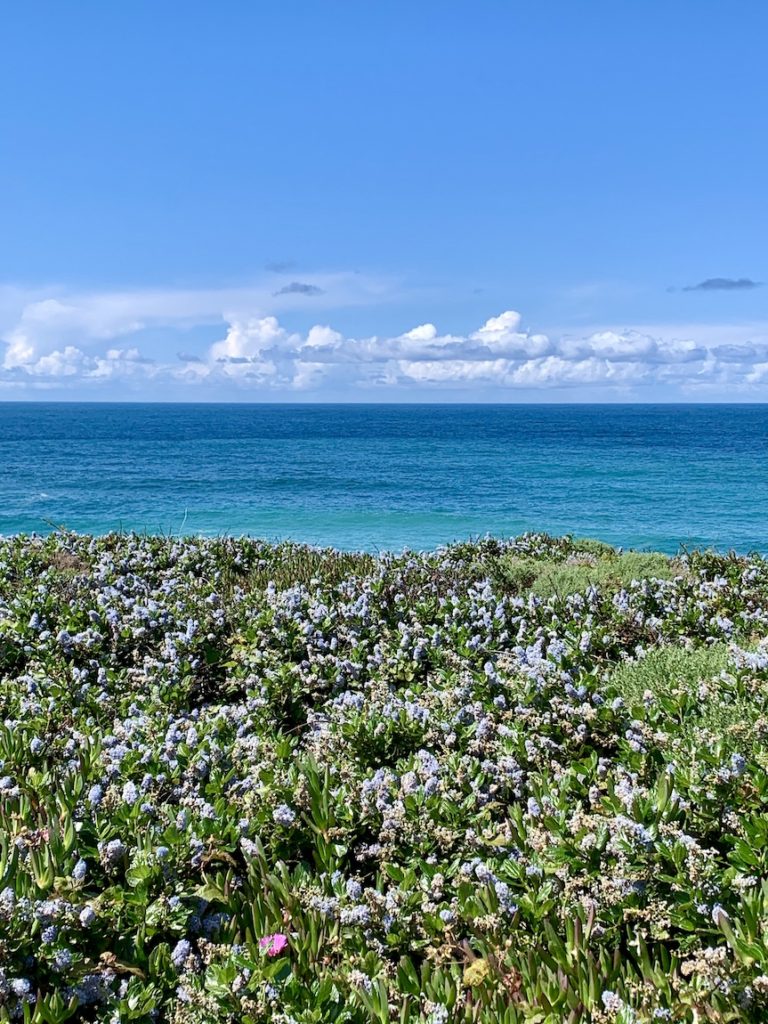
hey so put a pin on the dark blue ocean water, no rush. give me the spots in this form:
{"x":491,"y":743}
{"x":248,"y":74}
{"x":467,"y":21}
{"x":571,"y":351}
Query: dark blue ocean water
{"x":389,"y":476}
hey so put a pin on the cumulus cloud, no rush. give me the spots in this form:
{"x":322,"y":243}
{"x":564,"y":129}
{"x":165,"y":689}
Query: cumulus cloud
{"x":723,"y":284}
{"x":308,"y":375}
{"x":501,"y":336}
{"x":73,"y":364}
{"x":245,"y":341}
{"x":70,"y":342}
{"x":322,"y":339}
{"x":545,"y":372}
{"x":38,"y":320}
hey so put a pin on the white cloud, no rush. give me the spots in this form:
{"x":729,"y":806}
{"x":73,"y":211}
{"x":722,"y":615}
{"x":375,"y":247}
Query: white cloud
{"x":425,"y":332}
{"x":611,"y":346}
{"x":543,"y":372}
{"x":308,"y":375}
{"x":67,"y":362}
{"x":35,"y":320}
{"x":246,"y":341}
{"x":323,"y":339}
{"x":502,"y":337}
{"x":453,"y":371}
{"x":64,"y":340}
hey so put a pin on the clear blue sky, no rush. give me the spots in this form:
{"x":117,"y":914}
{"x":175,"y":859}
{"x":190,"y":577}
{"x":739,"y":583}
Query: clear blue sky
{"x":167,"y":168}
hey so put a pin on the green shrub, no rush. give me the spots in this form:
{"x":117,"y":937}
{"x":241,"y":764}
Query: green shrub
{"x":704,"y":700}
{"x":667,"y":667}
{"x":271,"y":784}
{"x":603,"y":567}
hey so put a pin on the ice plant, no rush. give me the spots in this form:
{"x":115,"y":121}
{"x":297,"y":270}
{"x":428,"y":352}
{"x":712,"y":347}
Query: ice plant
{"x":275,"y":944}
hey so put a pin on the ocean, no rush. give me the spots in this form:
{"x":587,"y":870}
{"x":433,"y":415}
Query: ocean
{"x":386,"y":477}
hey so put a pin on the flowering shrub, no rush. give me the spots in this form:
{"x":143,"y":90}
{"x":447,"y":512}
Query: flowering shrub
{"x":243,"y":782}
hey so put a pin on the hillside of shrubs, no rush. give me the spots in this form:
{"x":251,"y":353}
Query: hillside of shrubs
{"x":501,"y":782}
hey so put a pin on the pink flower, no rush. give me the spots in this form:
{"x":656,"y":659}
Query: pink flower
{"x":275,"y":944}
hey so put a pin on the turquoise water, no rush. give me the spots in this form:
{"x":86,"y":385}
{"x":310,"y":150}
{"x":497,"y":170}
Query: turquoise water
{"x":390,"y":476}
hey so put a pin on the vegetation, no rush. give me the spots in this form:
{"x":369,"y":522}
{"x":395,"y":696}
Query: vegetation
{"x":504,"y":782}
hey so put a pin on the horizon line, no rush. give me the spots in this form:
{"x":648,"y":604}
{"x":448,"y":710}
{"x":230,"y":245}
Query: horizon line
{"x":352,"y":404}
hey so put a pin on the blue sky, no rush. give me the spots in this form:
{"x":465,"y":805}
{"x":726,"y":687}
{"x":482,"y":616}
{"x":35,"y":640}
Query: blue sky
{"x":446,"y":201}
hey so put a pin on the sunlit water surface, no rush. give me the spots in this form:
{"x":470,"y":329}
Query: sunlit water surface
{"x":390,"y":476}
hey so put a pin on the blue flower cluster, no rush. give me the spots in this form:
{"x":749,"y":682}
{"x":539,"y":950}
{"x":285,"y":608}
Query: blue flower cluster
{"x":502,"y":781}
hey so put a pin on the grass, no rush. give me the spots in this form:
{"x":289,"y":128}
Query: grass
{"x":589,"y":564}
{"x":709,"y":704}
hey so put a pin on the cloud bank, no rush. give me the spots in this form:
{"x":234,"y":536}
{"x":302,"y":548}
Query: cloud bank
{"x":76,"y":344}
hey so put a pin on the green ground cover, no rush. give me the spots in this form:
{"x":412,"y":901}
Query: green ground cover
{"x":505,"y":781}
